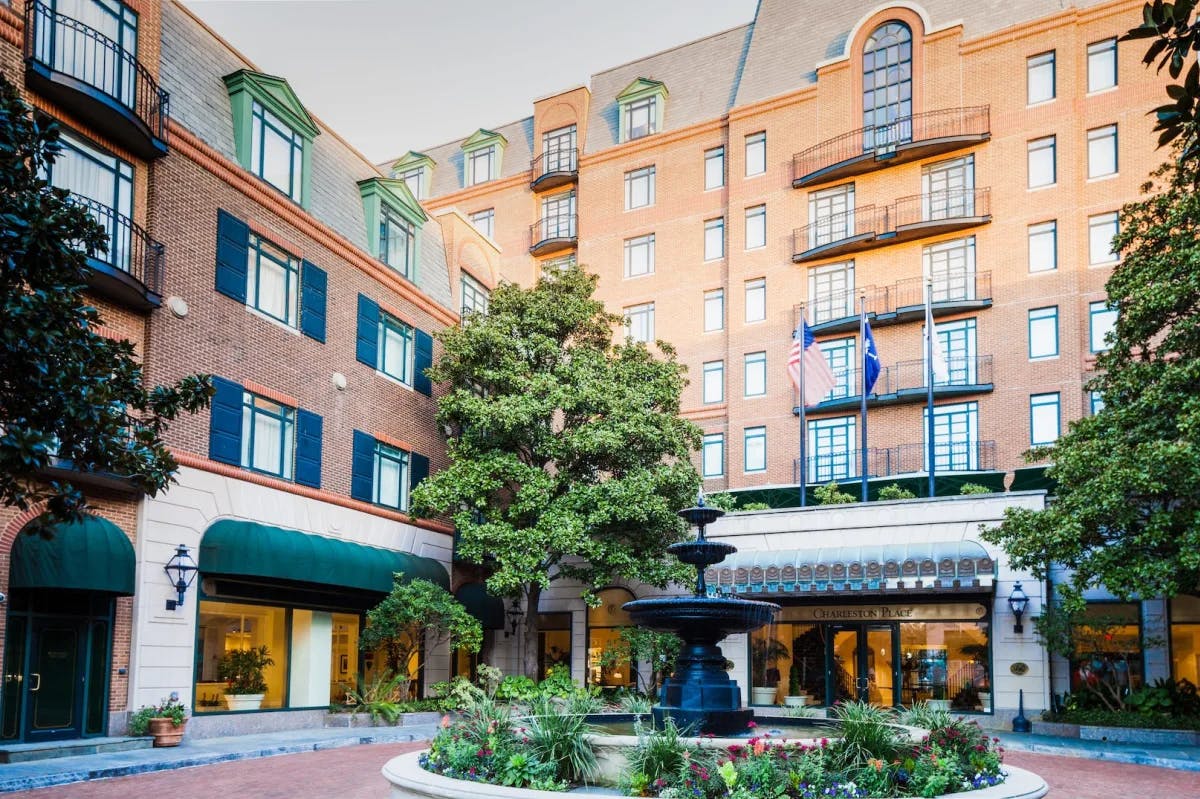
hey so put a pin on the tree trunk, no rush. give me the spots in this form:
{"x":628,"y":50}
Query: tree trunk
{"x":529,"y":645}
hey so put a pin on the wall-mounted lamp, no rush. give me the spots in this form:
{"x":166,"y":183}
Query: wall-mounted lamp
{"x":181,"y":570}
{"x":1017,"y":602}
{"x":514,"y":615}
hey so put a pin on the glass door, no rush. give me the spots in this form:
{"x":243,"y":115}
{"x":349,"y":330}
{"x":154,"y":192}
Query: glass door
{"x":862,"y":664}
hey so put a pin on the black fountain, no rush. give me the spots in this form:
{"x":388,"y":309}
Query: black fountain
{"x":700,"y":696}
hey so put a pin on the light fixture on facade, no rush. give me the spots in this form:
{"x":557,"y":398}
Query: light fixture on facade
{"x":1017,"y":602}
{"x":181,"y":570}
{"x":514,"y":615}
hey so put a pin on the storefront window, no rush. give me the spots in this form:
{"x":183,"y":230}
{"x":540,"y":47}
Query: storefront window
{"x":1109,"y":648}
{"x":226,"y":627}
{"x":946,"y":662}
{"x":604,"y":629}
{"x":343,"y":656}
{"x":1185,"y":639}
{"x":554,"y":642}
{"x":790,"y":658}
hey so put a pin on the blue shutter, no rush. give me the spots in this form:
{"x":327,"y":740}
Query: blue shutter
{"x":424,"y":360}
{"x":225,"y":424}
{"x":418,"y":469}
{"x":233,"y":245}
{"x":362,"y":467}
{"x":367,"y":347}
{"x":313,"y":284}
{"x":308,"y":448}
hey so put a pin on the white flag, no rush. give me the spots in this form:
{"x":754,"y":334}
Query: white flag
{"x":941,"y":369}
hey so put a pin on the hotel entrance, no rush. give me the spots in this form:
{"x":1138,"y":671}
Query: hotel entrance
{"x":862,"y":663}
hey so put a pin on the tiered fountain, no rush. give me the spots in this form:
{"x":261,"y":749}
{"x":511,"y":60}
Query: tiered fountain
{"x":700,"y":695}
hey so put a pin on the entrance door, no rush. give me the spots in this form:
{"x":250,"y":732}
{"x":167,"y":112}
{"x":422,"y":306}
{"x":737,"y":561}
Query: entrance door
{"x":862,"y":664}
{"x":54,"y":682}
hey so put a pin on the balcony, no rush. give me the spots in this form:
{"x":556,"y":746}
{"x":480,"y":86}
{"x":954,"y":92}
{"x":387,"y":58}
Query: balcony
{"x":905,"y":383}
{"x":908,"y":139}
{"x":552,"y":234}
{"x":90,"y":75}
{"x":902,"y":301}
{"x":902,"y":459}
{"x":131,"y":272}
{"x":554,"y":168}
{"x":908,"y":218}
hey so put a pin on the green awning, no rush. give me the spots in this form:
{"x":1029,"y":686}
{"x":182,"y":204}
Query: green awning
{"x":482,"y":605}
{"x":1033,"y":478}
{"x":236,"y":548}
{"x":92,"y":554}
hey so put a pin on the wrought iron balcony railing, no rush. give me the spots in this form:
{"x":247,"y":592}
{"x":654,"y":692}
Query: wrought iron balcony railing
{"x":552,"y":233}
{"x":902,"y":459}
{"x":131,"y":271}
{"x":905,"y":382}
{"x":554,"y":168}
{"x":901,"y":301}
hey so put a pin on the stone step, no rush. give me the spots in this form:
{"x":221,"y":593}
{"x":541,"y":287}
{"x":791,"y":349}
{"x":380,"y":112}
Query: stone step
{"x":45,"y":750}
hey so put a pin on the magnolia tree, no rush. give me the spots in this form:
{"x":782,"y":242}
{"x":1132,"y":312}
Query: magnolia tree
{"x":568,"y":458}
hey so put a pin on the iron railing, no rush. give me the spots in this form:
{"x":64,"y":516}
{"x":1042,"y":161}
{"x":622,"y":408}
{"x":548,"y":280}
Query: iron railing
{"x":865,"y":221}
{"x":963,"y":285}
{"x":130,"y":248}
{"x":907,"y":376}
{"x":555,"y":161}
{"x":879,"y":140}
{"x":549,"y":228}
{"x":949,"y":457}
{"x":68,"y":46}
{"x":941,"y":206}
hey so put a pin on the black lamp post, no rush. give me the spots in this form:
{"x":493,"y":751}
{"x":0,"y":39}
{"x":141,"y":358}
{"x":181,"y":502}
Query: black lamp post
{"x":514,"y":615}
{"x":181,"y":570}
{"x":1018,"y":601}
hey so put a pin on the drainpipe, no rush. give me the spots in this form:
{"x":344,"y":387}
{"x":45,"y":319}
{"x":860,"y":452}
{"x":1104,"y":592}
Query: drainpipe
{"x":1049,"y":656}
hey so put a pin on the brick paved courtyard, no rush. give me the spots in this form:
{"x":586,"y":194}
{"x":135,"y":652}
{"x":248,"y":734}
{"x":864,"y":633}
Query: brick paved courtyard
{"x":353,"y":773}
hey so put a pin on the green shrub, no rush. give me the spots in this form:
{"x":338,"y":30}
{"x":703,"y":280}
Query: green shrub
{"x":922,"y":714}
{"x":755,"y":506}
{"x":829,"y":494}
{"x":168,"y":708}
{"x":516,"y":688}
{"x":377,"y":696}
{"x":974,"y":488}
{"x":867,"y":733}
{"x":722,"y":500}
{"x":557,"y":733}
{"x":894,"y":491}
{"x":242,"y":670}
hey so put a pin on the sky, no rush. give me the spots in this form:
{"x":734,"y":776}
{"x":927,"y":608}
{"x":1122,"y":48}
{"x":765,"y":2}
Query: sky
{"x":396,"y":75}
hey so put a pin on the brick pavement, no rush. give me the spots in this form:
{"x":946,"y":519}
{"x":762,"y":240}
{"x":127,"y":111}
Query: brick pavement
{"x":1074,"y":778}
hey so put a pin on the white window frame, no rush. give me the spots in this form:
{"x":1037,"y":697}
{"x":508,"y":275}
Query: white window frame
{"x":485,"y":221}
{"x":833,"y":439}
{"x":714,"y":310}
{"x":485,"y":156}
{"x":756,"y":154}
{"x":1037,"y":248}
{"x":714,"y":239}
{"x":713,"y":388}
{"x":639,"y":255}
{"x":1036,"y":149}
{"x":714,"y":168}
{"x":754,"y":374}
{"x":1100,"y":75}
{"x":756,"y":227}
{"x":1039,"y":69}
{"x":756,"y":300}
{"x":1103,"y":160}
{"x":831,"y":291}
{"x":639,"y":322}
{"x":1101,"y":230}
{"x":639,"y":188}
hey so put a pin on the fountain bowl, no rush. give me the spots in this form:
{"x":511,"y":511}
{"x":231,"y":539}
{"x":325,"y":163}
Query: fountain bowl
{"x":701,"y":618}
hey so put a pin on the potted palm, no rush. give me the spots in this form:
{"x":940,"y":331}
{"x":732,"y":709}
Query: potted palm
{"x":243,"y":673}
{"x":764,"y":652}
{"x":166,"y":721}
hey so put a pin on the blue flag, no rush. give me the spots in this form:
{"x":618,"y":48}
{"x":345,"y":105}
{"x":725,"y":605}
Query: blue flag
{"x":870,"y":360}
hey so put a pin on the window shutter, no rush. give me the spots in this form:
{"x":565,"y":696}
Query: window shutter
{"x":225,"y":424}
{"x":362,"y":467}
{"x":233,"y":246}
{"x":424,"y":360}
{"x":313,"y":284}
{"x":418,"y":469}
{"x":308,"y":448}
{"x":367,"y":346}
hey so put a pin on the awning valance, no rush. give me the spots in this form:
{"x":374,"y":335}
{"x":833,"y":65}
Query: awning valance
{"x":236,"y":548}
{"x":944,"y":566}
{"x":482,"y":605}
{"x":92,"y":554}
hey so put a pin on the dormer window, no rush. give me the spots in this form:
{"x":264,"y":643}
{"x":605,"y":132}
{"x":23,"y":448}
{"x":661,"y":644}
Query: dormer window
{"x":276,"y":152}
{"x":482,"y":166}
{"x":641,"y":105}
{"x":416,"y":170}
{"x":394,"y":219}
{"x":640,"y":118}
{"x":272,"y":132}
{"x":483,"y":154}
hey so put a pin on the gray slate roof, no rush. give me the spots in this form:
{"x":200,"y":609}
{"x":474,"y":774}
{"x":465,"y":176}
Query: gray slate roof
{"x":448,"y":172}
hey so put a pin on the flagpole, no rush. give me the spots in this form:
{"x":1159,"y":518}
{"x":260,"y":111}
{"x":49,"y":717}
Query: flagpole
{"x":803,"y":416}
{"x":862,"y":363}
{"x":929,"y":333}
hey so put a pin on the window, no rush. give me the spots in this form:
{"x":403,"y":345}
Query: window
{"x":1043,"y":333}
{"x":1102,"y":320}
{"x":554,"y":643}
{"x":1109,"y":644}
{"x":559,"y":264}
{"x":639,"y":322}
{"x":714,"y":239}
{"x":756,"y":227}
{"x":391,"y":477}
{"x":714,"y":382}
{"x":957,"y":340}
{"x":831,"y":291}
{"x":712,"y":460}
{"x":639,"y":188}
{"x":951,"y":264}
{"x":475,"y":295}
{"x":839,"y":354}
{"x":1102,"y":151}
{"x":558,"y":150}
{"x":272,"y":281}
{"x":641,"y":118}
{"x":558,"y":216}
{"x":481,"y":165}
{"x":276,"y":152}
{"x":946,"y":660}
{"x":103,"y":184}
{"x":229,"y":627}
{"x":1185,"y":639}
{"x":1095,"y":402}
{"x":955,"y":437}
{"x":1043,"y":246}
{"x":714,"y":310}
{"x":415,"y":180}
{"x":604,"y":625}
{"x":397,"y":242}
{"x":833,"y":451}
{"x":268,"y":436}
{"x":887,"y":87}
{"x":754,"y":449}
{"x":485,"y":222}
{"x":756,"y":154}
{"x":1102,"y":228}
{"x":1042,"y":164}
{"x":830,"y":215}
{"x":639,"y":256}
{"x":1102,"y":65}
{"x":714,"y":168}
{"x":1039,"y":78}
{"x":395,"y":348}
{"x":755,"y":374}
{"x":756,"y":300}
{"x":948,"y":189}
{"x":1043,"y":419}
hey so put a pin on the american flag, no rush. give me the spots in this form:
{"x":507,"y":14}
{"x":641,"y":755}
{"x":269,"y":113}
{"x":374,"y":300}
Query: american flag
{"x":806,"y":359}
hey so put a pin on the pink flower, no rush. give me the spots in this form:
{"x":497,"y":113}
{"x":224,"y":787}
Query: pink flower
{"x":445,"y":722}
{"x":751,"y":725}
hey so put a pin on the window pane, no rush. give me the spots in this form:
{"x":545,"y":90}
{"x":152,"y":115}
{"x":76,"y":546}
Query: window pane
{"x":831,"y":215}
{"x":391,"y":476}
{"x":1110,"y":646}
{"x":484,"y":221}
{"x":1101,"y":230}
{"x":1102,"y":65}
{"x":713,"y":458}
{"x":1040,"y":78}
{"x":639,"y":188}
{"x":831,"y":291}
{"x":272,"y":279}
{"x":755,"y":454}
{"x":714,"y":239}
{"x":1043,"y":247}
{"x":1102,"y":151}
{"x":639,"y":322}
{"x":395,"y":349}
{"x":714,"y":382}
{"x":227,"y":627}
{"x":756,"y":300}
{"x":955,"y":437}
{"x":714,"y":310}
{"x":1101,"y":321}
{"x":1041,"y":167}
{"x":714,"y":168}
{"x":639,"y":256}
{"x":756,"y":227}
{"x":756,"y":154}
{"x":1043,"y":333}
{"x":946,"y":661}
{"x":756,"y":374}
{"x":1043,"y":419}
{"x":1185,"y":639}
{"x":834,"y":454}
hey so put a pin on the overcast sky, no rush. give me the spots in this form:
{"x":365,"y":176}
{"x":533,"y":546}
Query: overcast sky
{"x":395,"y":75}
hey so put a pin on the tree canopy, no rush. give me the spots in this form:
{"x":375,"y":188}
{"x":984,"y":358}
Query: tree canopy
{"x":68,"y":395}
{"x":1176,"y":39}
{"x":568,"y":458}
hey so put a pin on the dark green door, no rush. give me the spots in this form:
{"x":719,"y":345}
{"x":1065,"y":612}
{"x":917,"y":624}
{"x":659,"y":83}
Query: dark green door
{"x":55,"y":680}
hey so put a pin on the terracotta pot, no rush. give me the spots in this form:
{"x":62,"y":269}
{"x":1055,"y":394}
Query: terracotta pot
{"x":165,"y":732}
{"x":244,"y":701}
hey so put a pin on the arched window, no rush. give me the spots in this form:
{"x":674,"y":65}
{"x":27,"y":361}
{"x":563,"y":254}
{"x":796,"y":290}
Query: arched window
{"x":887,"y":86}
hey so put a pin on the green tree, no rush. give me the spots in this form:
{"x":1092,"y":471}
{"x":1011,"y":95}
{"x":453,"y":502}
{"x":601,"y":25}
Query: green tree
{"x":66,"y":392}
{"x":1127,"y":513}
{"x":417,"y":614}
{"x":656,"y":651}
{"x":568,"y":458}
{"x":1176,"y":39}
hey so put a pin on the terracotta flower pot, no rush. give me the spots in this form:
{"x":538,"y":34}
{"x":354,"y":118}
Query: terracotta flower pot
{"x":165,"y":731}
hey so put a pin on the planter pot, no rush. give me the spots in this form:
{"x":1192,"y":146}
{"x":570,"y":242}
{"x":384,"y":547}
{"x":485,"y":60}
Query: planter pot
{"x":985,"y":700}
{"x":165,"y":731}
{"x":939,"y":704}
{"x":243,"y":701}
{"x":762,"y":696}
{"x":795,"y":701}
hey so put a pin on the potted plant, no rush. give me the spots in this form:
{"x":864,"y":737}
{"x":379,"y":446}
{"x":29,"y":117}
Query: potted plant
{"x":245,"y":684}
{"x":166,"y":721}
{"x":794,"y":698}
{"x":764,"y":652}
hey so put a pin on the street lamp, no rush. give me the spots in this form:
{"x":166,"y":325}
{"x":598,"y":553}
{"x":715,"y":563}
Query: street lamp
{"x":1018,"y":601}
{"x":514,"y":615}
{"x":181,"y":570}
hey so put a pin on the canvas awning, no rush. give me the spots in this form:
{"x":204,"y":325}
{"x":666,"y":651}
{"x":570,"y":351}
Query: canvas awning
{"x":482,"y":605}
{"x":942,"y":566}
{"x":92,"y":554}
